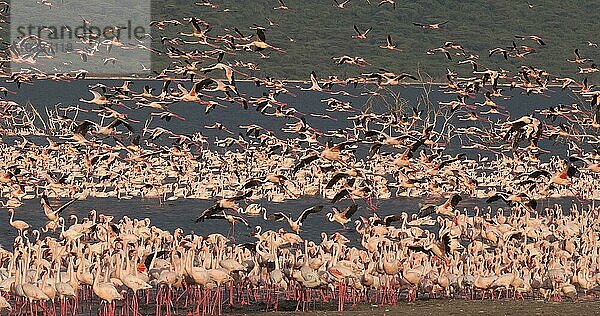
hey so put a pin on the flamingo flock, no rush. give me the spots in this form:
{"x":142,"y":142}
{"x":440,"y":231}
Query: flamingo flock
{"x":131,"y":267}
{"x":491,"y":222}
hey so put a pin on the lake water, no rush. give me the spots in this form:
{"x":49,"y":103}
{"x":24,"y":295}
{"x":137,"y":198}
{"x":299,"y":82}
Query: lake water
{"x":181,"y":213}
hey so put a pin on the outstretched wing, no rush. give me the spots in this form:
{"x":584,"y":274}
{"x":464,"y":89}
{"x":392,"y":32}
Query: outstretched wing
{"x":261,"y":35}
{"x":337,"y":177}
{"x":405,"y":75}
{"x":496,"y":197}
{"x":414,"y":147}
{"x":350,"y":210}
{"x":304,"y":162}
{"x":149,"y":258}
{"x":371,"y":133}
{"x":455,"y":199}
{"x":310,"y":210}
{"x":572,"y":171}
{"x":419,"y":248}
{"x":426,"y":210}
{"x":114,"y":228}
{"x":64,"y":206}
{"x":252,"y":183}
{"x":532,"y":203}
{"x":118,"y":122}
{"x":277,"y":216}
{"x":574,"y":158}
{"x":196,"y":25}
{"x":388,"y":220}
{"x":208,"y":212}
{"x":374,"y":149}
{"x":83,"y":127}
{"x":342,"y":145}
{"x":450,"y":160}
{"x":446,"y":243}
{"x":340,"y":195}
{"x":205,"y":83}
{"x":539,"y":173}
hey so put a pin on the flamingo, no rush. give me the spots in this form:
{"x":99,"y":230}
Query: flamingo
{"x":106,"y":291}
{"x":18,"y":224}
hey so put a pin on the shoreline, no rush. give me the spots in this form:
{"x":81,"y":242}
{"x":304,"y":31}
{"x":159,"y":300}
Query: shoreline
{"x":449,"y":306}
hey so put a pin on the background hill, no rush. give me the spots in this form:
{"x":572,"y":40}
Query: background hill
{"x":320,"y":31}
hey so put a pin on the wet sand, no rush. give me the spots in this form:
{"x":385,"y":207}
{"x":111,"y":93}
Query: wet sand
{"x":460,"y":307}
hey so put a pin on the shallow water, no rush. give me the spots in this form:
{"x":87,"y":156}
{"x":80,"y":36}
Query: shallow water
{"x":469,"y":308}
{"x":51,"y":94}
{"x":442,"y":306}
{"x":182,"y":213}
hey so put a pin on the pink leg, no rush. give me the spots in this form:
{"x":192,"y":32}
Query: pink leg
{"x":231,"y":293}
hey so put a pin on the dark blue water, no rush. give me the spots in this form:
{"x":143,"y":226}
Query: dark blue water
{"x":182,"y":213}
{"x":62,"y":94}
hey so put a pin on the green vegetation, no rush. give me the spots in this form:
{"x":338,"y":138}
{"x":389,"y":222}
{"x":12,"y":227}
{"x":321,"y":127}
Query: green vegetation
{"x":321,"y":31}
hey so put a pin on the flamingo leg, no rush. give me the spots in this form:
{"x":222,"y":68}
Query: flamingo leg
{"x":231,"y":293}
